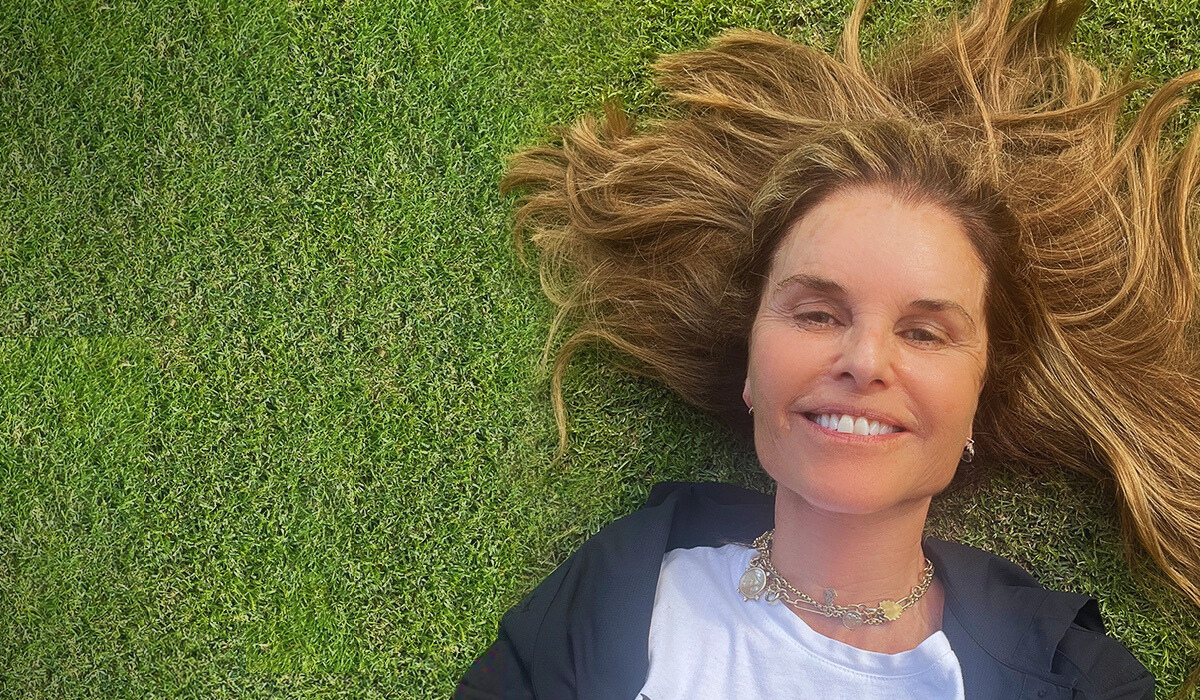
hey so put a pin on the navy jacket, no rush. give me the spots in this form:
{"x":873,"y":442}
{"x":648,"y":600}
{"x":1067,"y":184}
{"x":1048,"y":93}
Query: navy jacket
{"x":582,"y":633}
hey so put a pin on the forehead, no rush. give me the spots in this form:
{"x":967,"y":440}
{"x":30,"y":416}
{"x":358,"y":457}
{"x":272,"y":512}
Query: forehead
{"x":875,"y":243}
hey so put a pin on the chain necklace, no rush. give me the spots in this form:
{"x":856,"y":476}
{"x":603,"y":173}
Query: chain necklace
{"x":762,"y":580}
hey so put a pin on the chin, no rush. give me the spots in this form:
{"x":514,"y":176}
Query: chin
{"x":854,"y":499}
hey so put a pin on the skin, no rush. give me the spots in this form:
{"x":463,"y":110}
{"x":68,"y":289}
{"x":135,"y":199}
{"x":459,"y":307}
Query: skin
{"x":874,"y":307}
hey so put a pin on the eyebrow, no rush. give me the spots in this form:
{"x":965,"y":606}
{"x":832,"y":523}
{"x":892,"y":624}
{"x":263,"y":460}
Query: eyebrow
{"x":824,"y":285}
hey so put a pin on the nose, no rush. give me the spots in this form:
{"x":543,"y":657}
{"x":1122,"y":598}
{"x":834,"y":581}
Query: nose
{"x":866,"y":357}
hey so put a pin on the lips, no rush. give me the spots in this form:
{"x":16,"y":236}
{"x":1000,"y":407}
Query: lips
{"x":852,"y":424}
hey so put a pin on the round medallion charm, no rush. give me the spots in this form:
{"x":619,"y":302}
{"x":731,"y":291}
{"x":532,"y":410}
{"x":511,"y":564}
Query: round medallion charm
{"x":891,"y":609}
{"x":852,"y":619}
{"x":752,"y":583}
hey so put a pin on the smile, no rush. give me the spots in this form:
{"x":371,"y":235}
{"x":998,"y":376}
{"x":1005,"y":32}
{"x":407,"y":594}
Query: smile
{"x":856,"y":425}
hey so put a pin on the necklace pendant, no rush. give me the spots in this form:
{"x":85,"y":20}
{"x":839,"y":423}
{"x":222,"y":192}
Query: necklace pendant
{"x":752,"y":583}
{"x":830,"y":594}
{"x":891,"y":609}
{"x":852,"y":619}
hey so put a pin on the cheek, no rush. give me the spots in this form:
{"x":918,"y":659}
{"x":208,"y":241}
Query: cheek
{"x":780,"y":363}
{"x":948,"y":391}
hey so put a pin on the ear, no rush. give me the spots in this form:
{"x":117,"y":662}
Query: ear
{"x":746,"y":397}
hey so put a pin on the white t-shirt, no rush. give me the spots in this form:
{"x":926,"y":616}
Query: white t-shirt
{"x":707,"y":642}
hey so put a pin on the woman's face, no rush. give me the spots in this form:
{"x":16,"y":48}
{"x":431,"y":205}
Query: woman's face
{"x":868,"y":353}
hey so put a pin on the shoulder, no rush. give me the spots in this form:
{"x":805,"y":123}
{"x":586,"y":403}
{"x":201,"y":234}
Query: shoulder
{"x":621,"y":562}
{"x":676,"y":515}
{"x":602,"y":597}
{"x":1001,"y":618}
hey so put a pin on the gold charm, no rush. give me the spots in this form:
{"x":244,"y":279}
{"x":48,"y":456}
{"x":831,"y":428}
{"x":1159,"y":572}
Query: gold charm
{"x":891,"y":609}
{"x":852,"y":619}
{"x":752,"y":583}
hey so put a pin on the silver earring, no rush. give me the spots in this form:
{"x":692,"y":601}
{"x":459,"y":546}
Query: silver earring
{"x":969,"y":451}
{"x":751,"y":411}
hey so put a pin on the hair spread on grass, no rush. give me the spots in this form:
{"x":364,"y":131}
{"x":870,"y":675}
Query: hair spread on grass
{"x":654,"y":240}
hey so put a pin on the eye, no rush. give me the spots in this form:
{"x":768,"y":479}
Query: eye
{"x":816,"y":318}
{"x":923,"y":336}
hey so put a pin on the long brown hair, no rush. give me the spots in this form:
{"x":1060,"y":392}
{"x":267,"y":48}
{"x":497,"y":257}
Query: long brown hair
{"x":651,"y":240}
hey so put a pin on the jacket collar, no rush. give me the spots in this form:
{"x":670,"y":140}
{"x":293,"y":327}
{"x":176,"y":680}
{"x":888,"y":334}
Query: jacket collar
{"x":1000,"y":622}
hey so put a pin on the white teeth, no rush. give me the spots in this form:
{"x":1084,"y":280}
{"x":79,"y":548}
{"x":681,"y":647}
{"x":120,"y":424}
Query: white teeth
{"x":844,"y":423}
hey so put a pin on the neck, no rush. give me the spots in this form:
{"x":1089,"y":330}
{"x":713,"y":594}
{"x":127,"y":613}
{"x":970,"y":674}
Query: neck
{"x":865,"y":558}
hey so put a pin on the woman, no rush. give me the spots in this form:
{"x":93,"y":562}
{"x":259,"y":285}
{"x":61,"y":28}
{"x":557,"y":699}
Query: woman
{"x":879,"y":272}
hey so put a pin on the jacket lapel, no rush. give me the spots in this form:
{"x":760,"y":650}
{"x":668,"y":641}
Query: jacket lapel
{"x":617,"y":621}
{"x":1002,"y":625}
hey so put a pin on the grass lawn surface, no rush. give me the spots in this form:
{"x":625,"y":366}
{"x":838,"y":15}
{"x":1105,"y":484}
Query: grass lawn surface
{"x":272,"y":420}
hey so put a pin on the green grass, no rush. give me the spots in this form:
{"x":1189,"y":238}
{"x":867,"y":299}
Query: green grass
{"x":272,"y":422}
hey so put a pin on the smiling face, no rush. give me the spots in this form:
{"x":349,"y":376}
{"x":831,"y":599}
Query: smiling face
{"x":868,"y":353}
